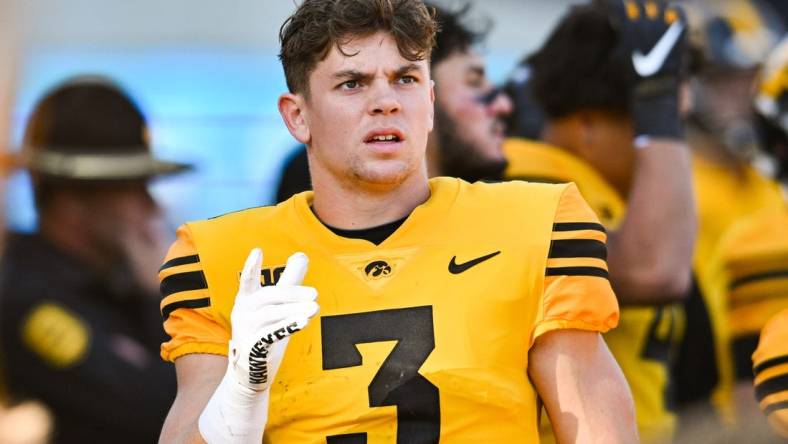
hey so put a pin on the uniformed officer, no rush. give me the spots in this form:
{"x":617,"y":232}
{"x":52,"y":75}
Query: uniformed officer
{"x":81,"y":326}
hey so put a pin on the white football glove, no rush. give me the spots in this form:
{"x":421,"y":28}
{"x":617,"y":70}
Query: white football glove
{"x":263,"y":318}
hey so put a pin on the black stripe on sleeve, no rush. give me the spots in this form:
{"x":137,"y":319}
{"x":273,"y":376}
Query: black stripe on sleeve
{"x":183,"y":260}
{"x":569,"y":248}
{"x":577,"y":226}
{"x":771,"y":408}
{"x":577,"y":271}
{"x":191,"y":303}
{"x":190,"y":280}
{"x":769,"y":363}
{"x":773,"y":274}
{"x":771,"y":386}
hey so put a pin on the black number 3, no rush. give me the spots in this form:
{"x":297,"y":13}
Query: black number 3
{"x":398,"y":381}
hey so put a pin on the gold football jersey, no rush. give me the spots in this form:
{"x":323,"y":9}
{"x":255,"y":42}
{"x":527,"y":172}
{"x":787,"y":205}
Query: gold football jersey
{"x":724,"y":198}
{"x":754,"y":257}
{"x":771,"y":372}
{"x":423,"y":338}
{"x":645,"y":337}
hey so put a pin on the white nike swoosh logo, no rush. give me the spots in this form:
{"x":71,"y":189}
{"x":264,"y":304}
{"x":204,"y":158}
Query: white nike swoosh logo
{"x":646,"y":65}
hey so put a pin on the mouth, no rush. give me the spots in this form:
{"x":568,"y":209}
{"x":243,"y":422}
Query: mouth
{"x":385,"y":140}
{"x":384,"y":136}
{"x":498,"y":129}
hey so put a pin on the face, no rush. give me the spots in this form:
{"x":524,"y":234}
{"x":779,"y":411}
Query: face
{"x":723,"y":103}
{"x":469,"y":118}
{"x":367,"y":116}
{"x":116,"y":210}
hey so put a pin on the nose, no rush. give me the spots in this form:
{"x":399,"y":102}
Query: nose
{"x":502,"y":105}
{"x":497,"y":102}
{"x":383,"y":99}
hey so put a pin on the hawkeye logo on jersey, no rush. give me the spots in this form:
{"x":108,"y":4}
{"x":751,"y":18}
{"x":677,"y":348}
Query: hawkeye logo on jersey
{"x":377,"y":269}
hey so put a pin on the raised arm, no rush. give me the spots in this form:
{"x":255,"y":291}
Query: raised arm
{"x":650,"y":255}
{"x":582,"y":387}
{"x":223,"y":400}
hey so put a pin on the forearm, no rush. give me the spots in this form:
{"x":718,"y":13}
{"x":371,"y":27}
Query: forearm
{"x":650,"y":255}
{"x":186,"y":434}
{"x":232,"y":414}
{"x":582,"y":387}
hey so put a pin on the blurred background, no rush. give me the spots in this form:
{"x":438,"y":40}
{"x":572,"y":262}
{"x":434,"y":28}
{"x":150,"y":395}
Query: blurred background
{"x":207,"y":76}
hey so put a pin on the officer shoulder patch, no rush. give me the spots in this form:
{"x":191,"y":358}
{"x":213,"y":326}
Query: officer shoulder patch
{"x":56,"y":334}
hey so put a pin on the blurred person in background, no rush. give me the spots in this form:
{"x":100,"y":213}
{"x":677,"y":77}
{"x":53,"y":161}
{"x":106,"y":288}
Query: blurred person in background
{"x":733,"y":38}
{"x":752,"y":259}
{"x":79,"y":298}
{"x":469,"y":110}
{"x":613,"y":127}
{"x":771,"y":372}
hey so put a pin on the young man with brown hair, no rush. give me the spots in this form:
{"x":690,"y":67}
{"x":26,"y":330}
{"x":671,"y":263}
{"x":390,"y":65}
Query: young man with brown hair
{"x":447,"y":310}
{"x":469,"y":111}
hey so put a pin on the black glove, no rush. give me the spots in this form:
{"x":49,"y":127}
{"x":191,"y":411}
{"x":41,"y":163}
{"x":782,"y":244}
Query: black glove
{"x":652,"y":39}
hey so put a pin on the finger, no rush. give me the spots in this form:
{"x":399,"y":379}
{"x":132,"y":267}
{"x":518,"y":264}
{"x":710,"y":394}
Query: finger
{"x":250,"y":275}
{"x":285,"y":328}
{"x":277,"y":313}
{"x":297,"y":293}
{"x":295,"y":269}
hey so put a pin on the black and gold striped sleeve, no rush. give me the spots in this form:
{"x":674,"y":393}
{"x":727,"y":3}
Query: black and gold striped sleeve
{"x":771,"y":372}
{"x":577,"y":291}
{"x":186,"y":302}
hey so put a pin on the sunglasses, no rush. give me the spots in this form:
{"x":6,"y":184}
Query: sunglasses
{"x":489,"y":97}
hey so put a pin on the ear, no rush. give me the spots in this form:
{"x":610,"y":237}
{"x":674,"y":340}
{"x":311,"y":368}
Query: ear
{"x":291,"y":107}
{"x":432,"y":100}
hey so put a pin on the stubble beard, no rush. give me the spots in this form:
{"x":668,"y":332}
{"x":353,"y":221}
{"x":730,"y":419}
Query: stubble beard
{"x":460,"y":158}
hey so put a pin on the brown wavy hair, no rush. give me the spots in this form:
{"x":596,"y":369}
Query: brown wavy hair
{"x":308,"y":35}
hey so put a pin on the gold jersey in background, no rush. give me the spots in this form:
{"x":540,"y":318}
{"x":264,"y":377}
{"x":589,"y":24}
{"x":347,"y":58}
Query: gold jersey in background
{"x":424,"y":337}
{"x":646,"y":337}
{"x":753,"y":256}
{"x":723,"y":198}
{"x":771,"y":372}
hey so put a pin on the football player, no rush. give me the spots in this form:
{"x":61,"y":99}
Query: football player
{"x":608,"y":79}
{"x":752,"y":261}
{"x":734,"y":38}
{"x":446,"y":309}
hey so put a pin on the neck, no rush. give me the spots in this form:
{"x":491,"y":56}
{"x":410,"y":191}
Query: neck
{"x":568,"y":134}
{"x":709,"y":149}
{"x":359,"y":207}
{"x":557,"y":133}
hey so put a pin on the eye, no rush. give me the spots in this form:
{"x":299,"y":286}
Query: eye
{"x":475,"y":80}
{"x":350,"y":84}
{"x":407,"y":80}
